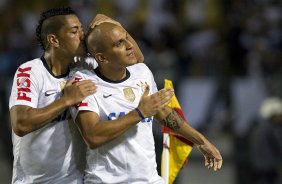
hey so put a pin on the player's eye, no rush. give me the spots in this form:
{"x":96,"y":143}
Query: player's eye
{"x":118,"y":44}
{"x":74,"y":30}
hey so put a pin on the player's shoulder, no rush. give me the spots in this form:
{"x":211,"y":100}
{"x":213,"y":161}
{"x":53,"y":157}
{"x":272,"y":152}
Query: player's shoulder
{"x":33,"y":67}
{"x":34,"y":63}
{"x":140,"y":70}
{"x":82,"y":73}
{"x":140,"y":67}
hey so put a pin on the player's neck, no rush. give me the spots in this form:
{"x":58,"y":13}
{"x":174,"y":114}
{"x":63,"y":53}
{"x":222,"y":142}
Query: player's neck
{"x":58,"y":65}
{"x":113,"y":74}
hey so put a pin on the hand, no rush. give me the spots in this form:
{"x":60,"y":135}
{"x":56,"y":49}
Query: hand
{"x":212,"y":156}
{"x":100,"y":18}
{"x":75,"y":92}
{"x":151,"y":105}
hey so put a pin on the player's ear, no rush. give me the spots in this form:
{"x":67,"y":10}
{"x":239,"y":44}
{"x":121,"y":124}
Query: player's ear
{"x":52,"y":40}
{"x":100,"y":58}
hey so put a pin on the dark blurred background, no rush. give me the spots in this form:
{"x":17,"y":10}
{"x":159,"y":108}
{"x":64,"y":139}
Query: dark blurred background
{"x":223,"y":56}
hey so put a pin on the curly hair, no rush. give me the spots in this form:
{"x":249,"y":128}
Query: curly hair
{"x":48,"y":23}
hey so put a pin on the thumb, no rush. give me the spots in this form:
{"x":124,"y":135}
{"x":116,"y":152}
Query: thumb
{"x":71,"y":81}
{"x":146,"y":91}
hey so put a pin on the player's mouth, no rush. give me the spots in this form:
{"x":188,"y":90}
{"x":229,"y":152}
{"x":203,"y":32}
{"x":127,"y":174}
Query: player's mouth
{"x":131,"y":55}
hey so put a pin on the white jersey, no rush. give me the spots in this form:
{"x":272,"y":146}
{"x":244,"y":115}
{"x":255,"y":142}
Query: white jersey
{"x":131,"y":157}
{"x":49,"y":154}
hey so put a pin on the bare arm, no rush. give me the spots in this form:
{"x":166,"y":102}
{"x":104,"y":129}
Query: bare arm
{"x":100,"y":18}
{"x":25,"y":119}
{"x":95,"y":132}
{"x":171,"y":119}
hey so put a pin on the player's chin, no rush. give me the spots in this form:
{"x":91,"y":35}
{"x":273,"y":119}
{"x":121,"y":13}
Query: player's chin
{"x":130,"y":63}
{"x":132,"y":59}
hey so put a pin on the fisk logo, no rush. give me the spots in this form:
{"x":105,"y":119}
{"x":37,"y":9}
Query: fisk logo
{"x":23,"y":84}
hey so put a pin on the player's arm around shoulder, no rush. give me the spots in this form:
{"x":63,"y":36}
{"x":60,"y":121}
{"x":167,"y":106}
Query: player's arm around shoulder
{"x":24,"y":95}
{"x":25,"y":114}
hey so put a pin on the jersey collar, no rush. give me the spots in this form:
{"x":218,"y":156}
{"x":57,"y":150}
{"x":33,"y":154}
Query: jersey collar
{"x":49,"y":70}
{"x":98,"y":73}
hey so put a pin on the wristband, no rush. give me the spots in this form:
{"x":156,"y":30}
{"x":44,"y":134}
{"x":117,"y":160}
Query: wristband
{"x":139,"y":113}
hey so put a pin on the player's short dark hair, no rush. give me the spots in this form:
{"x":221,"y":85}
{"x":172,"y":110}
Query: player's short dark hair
{"x":48,"y":23}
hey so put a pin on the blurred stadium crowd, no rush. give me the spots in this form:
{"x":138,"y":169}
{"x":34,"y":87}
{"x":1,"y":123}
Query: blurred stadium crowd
{"x":224,"y":57}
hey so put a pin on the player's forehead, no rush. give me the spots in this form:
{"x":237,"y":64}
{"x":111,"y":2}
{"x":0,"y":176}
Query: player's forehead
{"x":116,"y":33}
{"x":71,"y":21}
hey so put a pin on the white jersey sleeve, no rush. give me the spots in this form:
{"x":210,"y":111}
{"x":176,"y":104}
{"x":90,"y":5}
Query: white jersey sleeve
{"x":147,"y":72}
{"x":25,"y":87}
{"x":154,"y":85}
{"x":88,"y":104}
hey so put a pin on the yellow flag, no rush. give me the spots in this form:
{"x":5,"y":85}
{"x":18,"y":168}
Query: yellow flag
{"x":179,"y":148}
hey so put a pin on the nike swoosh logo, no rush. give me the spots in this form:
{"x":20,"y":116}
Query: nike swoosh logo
{"x":106,"y":96}
{"x":50,"y":92}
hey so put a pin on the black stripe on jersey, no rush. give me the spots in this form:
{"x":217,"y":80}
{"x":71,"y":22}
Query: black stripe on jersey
{"x":109,"y":80}
{"x":49,"y":70}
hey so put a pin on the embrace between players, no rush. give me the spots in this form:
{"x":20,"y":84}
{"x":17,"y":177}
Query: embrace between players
{"x":55,"y":110}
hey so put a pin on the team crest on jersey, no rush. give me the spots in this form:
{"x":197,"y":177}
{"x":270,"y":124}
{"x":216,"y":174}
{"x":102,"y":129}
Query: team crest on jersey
{"x":62,"y":84}
{"x":129,"y":94}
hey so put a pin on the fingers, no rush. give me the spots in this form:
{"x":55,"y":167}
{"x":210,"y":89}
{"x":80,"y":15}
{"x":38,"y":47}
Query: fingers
{"x":147,"y":90}
{"x":164,"y":96}
{"x":161,"y":98}
{"x":70,"y":82}
{"x":96,"y":20}
{"x":167,"y":96}
{"x":84,"y":82}
{"x":206,"y":161}
{"x":217,"y":160}
{"x":100,"y":18}
{"x":88,"y":87}
{"x":209,"y":162}
{"x":213,"y":159}
{"x":84,"y":87}
{"x":214,"y":163}
{"x":219,"y":163}
{"x":152,"y":104}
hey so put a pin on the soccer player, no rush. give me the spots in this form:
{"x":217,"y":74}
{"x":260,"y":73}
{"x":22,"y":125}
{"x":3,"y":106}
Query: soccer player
{"x":116,"y":123}
{"x":42,"y":138}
